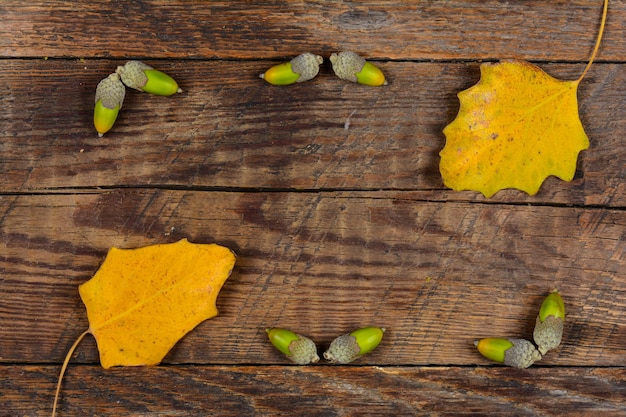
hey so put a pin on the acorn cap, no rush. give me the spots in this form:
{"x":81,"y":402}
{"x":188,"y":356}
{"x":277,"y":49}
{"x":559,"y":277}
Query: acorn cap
{"x":548,"y":333}
{"x":303,"y":351}
{"x":346,"y":65}
{"x":522,"y":354}
{"x":111,"y":91}
{"x":133,"y":75}
{"x":307,"y":65}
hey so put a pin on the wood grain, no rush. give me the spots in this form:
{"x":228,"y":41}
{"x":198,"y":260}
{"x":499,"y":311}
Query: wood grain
{"x":231,"y":130}
{"x":334,"y":228}
{"x":457,"y":30}
{"x":316,"y":391}
{"x":323,"y":264}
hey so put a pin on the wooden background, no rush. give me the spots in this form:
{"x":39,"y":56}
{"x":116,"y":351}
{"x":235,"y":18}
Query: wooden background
{"x":334,"y":228}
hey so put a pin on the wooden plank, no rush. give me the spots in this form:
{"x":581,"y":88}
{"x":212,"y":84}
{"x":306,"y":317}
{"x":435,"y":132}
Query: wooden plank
{"x":232,"y":130}
{"x":334,"y":227}
{"x":241,"y":30}
{"x":315,"y":391}
{"x":436,"y":275}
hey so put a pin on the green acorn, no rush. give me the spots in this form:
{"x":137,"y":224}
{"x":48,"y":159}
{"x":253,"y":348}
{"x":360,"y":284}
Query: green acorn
{"x":110,"y":94}
{"x":302,"y":68}
{"x":299,"y":349}
{"x":142,"y":77}
{"x":351,"y":67}
{"x":518,"y":353}
{"x":351,"y":346}
{"x":549,"y":324}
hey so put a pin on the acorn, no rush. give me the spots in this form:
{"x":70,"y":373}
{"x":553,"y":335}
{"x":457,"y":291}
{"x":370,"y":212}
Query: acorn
{"x":351,"y":67}
{"x":142,"y":77}
{"x":518,"y":353}
{"x":302,"y":68}
{"x":351,"y":346}
{"x":298,"y":348}
{"x":549,"y":324}
{"x":110,"y":94}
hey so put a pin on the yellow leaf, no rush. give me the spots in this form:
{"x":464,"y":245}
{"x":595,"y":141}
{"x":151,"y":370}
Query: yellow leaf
{"x":142,"y":301}
{"x":515,"y":127}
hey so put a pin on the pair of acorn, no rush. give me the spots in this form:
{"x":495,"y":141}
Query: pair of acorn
{"x":344,"y":349}
{"x":347,"y":65}
{"x":110,"y":92}
{"x":521,"y":353}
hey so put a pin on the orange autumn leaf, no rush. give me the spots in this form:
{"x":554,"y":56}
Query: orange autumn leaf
{"x":142,"y":301}
{"x":515,"y":127}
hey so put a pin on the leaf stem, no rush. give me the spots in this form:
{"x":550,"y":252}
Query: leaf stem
{"x":597,"y":46}
{"x":65,"y":362}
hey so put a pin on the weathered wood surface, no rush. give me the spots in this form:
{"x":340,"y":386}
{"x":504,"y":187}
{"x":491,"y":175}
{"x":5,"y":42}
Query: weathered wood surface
{"x":334,"y":228}
{"x":419,"y":30}
{"x":322,"y":391}
{"x":327,"y":262}
{"x":232,"y":130}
